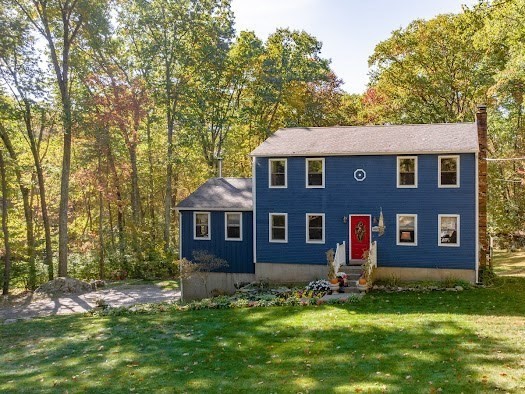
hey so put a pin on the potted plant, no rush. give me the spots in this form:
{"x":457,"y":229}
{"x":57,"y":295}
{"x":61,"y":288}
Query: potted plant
{"x":342,"y":278}
{"x":363,"y":282}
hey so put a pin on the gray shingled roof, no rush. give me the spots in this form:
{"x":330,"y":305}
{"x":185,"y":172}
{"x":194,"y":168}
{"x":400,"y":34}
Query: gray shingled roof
{"x":221,"y":194}
{"x":366,"y":140}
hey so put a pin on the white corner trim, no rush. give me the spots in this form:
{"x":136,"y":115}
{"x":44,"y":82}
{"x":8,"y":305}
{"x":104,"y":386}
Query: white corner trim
{"x":306,"y":161}
{"x":254,"y":206}
{"x":226,"y":226}
{"x":270,"y":173}
{"x":398,"y":178}
{"x":458,"y":170}
{"x":316,"y":241}
{"x":398,"y":243}
{"x":282,"y":241}
{"x":458,"y":231}
{"x":195,"y":238}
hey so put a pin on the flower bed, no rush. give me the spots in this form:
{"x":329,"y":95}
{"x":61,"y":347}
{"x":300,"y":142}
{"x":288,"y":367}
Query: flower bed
{"x":250,"y":296}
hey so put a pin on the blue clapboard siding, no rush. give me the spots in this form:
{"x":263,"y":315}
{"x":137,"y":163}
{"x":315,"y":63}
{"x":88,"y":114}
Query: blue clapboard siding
{"x":238,"y":254}
{"x":343,"y":195}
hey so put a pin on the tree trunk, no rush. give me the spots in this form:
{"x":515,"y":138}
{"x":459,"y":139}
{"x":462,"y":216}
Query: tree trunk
{"x":101,"y":255}
{"x":135,"y":194}
{"x":24,"y":190}
{"x":64,"y":198}
{"x":41,"y":190}
{"x":120,"y":206}
{"x":7,"y":245}
{"x":167,"y":201}
{"x":151,"y":198}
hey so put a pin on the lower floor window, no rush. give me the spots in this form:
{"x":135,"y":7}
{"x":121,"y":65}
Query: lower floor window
{"x":278,"y":227}
{"x":407,"y":229}
{"x":233,"y":222}
{"x":315,"y":227}
{"x":202,"y":225}
{"x":448,"y":229}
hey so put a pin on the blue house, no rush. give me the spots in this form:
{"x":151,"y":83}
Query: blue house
{"x":315,"y":188}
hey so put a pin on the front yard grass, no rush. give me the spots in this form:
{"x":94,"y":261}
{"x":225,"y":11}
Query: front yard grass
{"x":471,"y":341}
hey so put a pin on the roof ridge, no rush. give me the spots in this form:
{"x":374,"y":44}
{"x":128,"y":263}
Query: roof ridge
{"x":376,"y":125}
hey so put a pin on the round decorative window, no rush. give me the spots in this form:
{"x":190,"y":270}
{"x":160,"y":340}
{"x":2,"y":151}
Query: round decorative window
{"x":359,"y":175}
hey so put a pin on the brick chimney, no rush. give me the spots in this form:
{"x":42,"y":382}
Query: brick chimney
{"x":481,"y":121}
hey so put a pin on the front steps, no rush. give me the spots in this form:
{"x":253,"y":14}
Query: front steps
{"x":354,"y":273}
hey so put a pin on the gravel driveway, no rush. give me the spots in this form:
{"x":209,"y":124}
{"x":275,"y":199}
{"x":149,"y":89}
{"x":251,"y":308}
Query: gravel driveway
{"x":123,"y":295}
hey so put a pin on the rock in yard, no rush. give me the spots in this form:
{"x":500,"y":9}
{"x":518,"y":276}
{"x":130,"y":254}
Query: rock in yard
{"x":64,"y":285}
{"x":459,"y":288}
{"x":97,"y":283}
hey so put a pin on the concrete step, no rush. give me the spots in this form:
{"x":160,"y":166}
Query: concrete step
{"x":350,"y":269}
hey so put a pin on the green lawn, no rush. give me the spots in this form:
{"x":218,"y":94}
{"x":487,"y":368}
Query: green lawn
{"x":509,"y":264}
{"x":472,"y":341}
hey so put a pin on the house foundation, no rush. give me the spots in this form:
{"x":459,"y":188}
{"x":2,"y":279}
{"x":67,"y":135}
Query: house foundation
{"x":415,"y":274}
{"x":216,"y":283}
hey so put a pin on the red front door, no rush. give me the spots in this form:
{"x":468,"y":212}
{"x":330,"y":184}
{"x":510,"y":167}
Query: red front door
{"x":359,"y":236}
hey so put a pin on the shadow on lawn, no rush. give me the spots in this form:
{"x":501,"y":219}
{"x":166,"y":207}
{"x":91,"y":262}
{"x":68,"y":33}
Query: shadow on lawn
{"x":399,"y":345}
{"x":274,"y":349}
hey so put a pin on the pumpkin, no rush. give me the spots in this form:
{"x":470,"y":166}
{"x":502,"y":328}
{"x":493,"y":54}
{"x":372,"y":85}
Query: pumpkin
{"x":334,"y":281}
{"x":362,"y":281}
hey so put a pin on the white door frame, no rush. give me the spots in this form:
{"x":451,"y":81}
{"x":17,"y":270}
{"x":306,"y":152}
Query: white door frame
{"x":350,"y":232}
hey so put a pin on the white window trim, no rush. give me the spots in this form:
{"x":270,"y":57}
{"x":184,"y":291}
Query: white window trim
{"x":285,"y":173}
{"x":195,"y":238}
{"x":399,"y":158}
{"x":458,"y":231}
{"x":282,"y":241}
{"x":457,"y":157}
{"x":398,"y":243}
{"x":308,"y":159}
{"x":315,"y":241}
{"x":226,"y":226}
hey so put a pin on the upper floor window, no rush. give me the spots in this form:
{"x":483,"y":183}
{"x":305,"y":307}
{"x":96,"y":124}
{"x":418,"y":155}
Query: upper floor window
{"x":407,"y":229}
{"x":448,"y":171}
{"x":277,"y":173}
{"x":233,"y":226}
{"x":315,"y":228}
{"x":201,"y":229}
{"x":407,"y":171}
{"x":448,"y":230}
{"x":315,"y":173}
{"x":278,"y":227}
